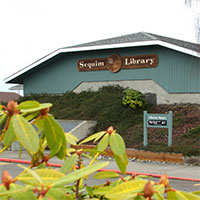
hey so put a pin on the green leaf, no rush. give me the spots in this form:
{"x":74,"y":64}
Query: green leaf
{"x":62,"y":152}
{"x":135,"y":197}
{"x":122,"y":162}
{"x":48,"y":176}
{"x":160,"y":191}
{"x":196,"y":193}
{"x":20,"y":150}
{"x":102,"y":145}
{"x":58,"y":193}
{"x":22,"y":193}
{"x":55,"y":149}
{"x":187,"y":195}
{"x":45,"y":105}
{"x":30,"y":116}
{"x":79,"y":174}
{"x":171,"y":195}
{"x":68,"y":164}
{"x":25,"y":133}
{"x":1,"y":111}
{"x":157,"y":196}
{"x":3,"y":190}
{"x":32,"y":173}
{"x":106,"y":175}
{"x":39,"y":124}
{"x":119,"y":181}
{"x":89,"y":190}
{"x":71,"y":139}
{"x":124,"y":190}
{"x":3,"y":118}
{"x":26,"y":106}
{"x":102,"y":190}
{"x":9,"y":136}
{"x":117,"y":144}
{"x":180,"y":195}
{"x":55,"y":136}
{"x":92,"y":137}
{"x":100,"y":135}
{"x":14,"y":192}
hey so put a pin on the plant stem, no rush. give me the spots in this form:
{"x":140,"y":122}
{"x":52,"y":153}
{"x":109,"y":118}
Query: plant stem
{"x":95,"y":157}
{"x":4,"y":148}
{"x":78,"y":181}
{"x":35,"y":120}
{"x":5,"y":129}
{"x":77,"y":188}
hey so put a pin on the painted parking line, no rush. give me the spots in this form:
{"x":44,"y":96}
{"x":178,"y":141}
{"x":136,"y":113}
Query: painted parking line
{"x":6,"y":163}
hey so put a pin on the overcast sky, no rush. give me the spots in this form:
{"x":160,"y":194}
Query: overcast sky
{"x":30,"y":29}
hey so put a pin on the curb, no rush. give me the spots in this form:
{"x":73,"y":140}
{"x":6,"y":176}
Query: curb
{"x":142,"y":155}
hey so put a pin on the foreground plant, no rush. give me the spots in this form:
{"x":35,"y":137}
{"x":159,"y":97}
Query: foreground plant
{"x":31,"y":124}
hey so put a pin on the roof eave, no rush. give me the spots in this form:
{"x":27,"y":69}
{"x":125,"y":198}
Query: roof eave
{"x":110,"y":46}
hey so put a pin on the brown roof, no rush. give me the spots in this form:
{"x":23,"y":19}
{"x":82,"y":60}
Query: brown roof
{"x":7,"y":96}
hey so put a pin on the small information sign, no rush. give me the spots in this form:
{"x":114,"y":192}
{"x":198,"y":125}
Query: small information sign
{"x":158,"y":121}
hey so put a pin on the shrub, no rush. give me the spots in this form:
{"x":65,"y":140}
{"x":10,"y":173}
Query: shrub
{"x":134,"y":99}
{"x":105,"y":106}
{"x":195,"y":132}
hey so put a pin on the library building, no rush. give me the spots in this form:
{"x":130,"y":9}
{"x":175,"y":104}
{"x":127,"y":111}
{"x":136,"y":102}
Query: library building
{"x":150,"y":63}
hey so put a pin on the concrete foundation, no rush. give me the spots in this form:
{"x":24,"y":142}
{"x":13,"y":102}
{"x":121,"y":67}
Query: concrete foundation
{"x":83,"y":130}
{"x":144,"y":86}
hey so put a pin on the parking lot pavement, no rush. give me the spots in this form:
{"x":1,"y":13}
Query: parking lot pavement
{"x":178,"y":170}
{"x":154,"y":168}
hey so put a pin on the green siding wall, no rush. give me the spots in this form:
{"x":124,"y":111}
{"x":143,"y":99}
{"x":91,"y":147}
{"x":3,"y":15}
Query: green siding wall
{"x":176,"y":72}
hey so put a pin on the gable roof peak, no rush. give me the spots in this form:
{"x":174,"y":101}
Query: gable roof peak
{"x":131,"y":40}
{"x":152,"y":37}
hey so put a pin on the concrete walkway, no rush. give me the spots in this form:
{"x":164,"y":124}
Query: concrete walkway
{"x":176,"y":170}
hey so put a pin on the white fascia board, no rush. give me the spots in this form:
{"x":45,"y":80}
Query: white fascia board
{"x":178,"y":48}
{"x":76,"y":49}
{"x":110,"y":46}
{"x":135,"y":44}
{"x":25,"y":69}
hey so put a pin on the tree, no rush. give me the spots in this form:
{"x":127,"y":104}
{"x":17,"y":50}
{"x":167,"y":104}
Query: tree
{"x":194,"y":5}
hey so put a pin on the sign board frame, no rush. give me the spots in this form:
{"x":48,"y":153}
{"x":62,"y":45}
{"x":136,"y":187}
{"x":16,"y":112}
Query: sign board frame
{"x":114,"y":63}
{"x":158,"y":121}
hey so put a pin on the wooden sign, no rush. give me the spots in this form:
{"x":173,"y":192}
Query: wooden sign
{"x":144,"y":61}
{"x":114,"y":63}
{"x":92,"y":64}
{"x":158,"y":121}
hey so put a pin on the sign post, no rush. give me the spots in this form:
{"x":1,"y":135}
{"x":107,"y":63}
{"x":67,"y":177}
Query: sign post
{"x":158,"y":121}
